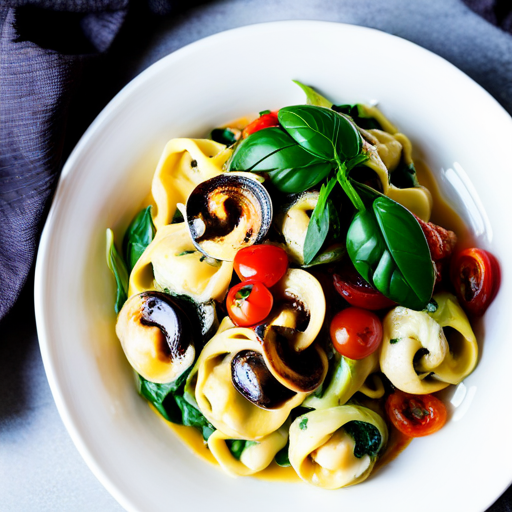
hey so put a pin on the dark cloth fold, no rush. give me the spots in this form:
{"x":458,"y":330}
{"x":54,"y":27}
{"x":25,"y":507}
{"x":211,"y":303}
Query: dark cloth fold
{"x":42,"y":58}
{"x":497,"y":12}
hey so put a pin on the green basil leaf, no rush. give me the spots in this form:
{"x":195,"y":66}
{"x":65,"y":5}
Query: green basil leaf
{"x":118,"y":268}
{"x":320,"y":222}
{"x":358,"y":113}
{"x":138,"y":236}
{"x":389,"y":250}
{"x":331,"y":254}
{"x":366,"y":436}
{"x":313,"y":97}
{"x":290,"y":168}
{"x":223,"y":136}
{"x":322,"y":132}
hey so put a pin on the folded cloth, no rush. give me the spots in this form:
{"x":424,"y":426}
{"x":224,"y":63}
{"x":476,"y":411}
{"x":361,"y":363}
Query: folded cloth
{"x":43,"y":51}
{"x":497,"y":12}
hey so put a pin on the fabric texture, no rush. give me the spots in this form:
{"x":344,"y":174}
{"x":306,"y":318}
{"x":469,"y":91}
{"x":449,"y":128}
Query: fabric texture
{"x":497,"y":12}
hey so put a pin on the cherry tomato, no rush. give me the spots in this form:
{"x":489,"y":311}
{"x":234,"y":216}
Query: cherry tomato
{"x":265,"y":121}
{"x":475,"y":274}
{"x":264,"y":263}
{"x":357,"y":292}
{"x":356,"y":333}
{"x":249,"y":303}
{"x":415,"y":415}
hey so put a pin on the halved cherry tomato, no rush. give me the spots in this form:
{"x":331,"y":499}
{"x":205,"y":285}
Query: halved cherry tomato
{"x":415,"y":415}
{"x":249,"y":303}
{"x":475,"y":274}
{"x":265,"y":121}
{"x":265,"y":263}
{"x":356,"y":333}
{"x":357,"y":292}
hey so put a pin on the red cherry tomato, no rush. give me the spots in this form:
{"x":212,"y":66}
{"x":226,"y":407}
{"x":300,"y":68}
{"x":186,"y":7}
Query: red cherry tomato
{"x":415,"y":415}
{"x":356,"y":333}
{"x":265,"y":263}
{"x":475,"y":274}
{"x":357,"y":292}
{"x":265,"y":121}
{"x":249,"y":303}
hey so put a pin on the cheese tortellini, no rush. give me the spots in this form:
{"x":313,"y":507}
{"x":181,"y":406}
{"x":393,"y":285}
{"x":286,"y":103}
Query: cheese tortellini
{"x":416,"y":355}
{"x":324,"y":448}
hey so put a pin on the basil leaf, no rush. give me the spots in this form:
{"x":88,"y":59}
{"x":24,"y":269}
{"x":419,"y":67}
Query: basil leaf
{"x":118,"y":268}
{"x":313,"y":97}
{"x":366,"y":436}
{"x":223,"y":136}
{"x":290,"y":168}
{"x":358,"y":113}
{"x":138,"y":236}
{"x":321,"y":131}
{"x":331,"y":254}
{"x":320,"y":222}
{"x":389,"y":250}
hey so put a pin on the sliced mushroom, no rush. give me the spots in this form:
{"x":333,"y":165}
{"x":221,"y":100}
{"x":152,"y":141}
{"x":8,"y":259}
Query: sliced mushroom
{"x":156,"y":336}
{"x":231,"y":385}
{"x":302,"y":371}
{"x":253,"y":380}
{"x":227,"y":213}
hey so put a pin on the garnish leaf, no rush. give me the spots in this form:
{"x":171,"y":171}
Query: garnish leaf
{"x":389,"y":250}
{"x":320,"y":222}
{"x":358,"y":113}
{"x":238,"y":446}
{"x":282,"y":458}
{"x":303,"y":425}
{"x":322,"y":132}
{"x":118,"y":268}
{"x":313,"y":97}
{"x":138,"y":236}
{"x":366,"y":436}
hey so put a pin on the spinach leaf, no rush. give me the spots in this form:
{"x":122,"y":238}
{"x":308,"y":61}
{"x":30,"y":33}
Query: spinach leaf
{"x":118,"y":268}
{"x":282,"y":459}
{"x":223,"y":136}
{"x":138,"y":236}
{"x":321,"y":131}
{"x":177,"y":217}
{"x":290,"y":168}
{"x":358,"y":114}
{"x":389,"y":250}
{"x":237,"y":446}
{"x":320,"y":222}
{"x":313,"y":97}
{"x":169,"y":401}
{"x":404,"y":176}
{"x":366,"y":436}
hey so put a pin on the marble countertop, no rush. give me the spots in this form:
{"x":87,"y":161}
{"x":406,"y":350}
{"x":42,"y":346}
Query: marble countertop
{"x":40,"y":469}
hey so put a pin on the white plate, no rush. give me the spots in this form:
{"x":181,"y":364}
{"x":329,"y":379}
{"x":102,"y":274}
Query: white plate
{"x":461,"y":131}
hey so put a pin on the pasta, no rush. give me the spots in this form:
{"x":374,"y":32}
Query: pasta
{"x":284,"y":293}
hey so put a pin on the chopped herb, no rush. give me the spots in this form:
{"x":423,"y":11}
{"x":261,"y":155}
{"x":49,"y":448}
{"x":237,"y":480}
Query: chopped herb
{"x":394,"y":340}
{"x":282,"y":459}
{"x":303,"y":425}
{"x":431,"y":306}
{"x":264,"y":112}
{"x":242,"y":295}
{"x":184,"y":253}
{"x":177,"y":218}
{"x":224,"y":136}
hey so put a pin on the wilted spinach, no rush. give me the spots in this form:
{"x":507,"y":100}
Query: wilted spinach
{"x":118,"y":268}
{"x":366,"y":436}
{"x":138,"y":236}
{"x":168,"y":400}
{"x":237,"y":446}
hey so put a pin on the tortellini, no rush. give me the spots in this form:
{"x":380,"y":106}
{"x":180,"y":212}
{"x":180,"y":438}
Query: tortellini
{"x":417,"y":357}
{"x":211,"y":385}
{"x":171,"y":262}
{"x":323,"y":445}
{"x":183,"y":165}
{"x":255,"y":457}
{"x":348,"y":377}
